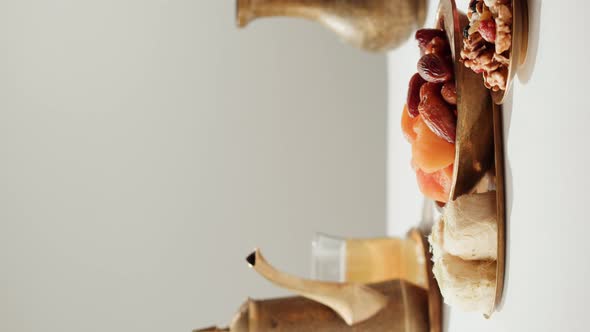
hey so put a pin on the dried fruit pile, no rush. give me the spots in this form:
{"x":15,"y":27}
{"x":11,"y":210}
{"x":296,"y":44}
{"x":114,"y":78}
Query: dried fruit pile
{"x":429,"y":119}
{"x":487,"y":41}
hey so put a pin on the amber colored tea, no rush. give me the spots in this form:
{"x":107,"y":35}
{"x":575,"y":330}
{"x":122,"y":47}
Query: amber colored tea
{"x":377,"y":260}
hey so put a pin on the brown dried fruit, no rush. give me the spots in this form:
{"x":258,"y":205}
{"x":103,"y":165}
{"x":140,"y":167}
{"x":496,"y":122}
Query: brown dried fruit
{"x":449,"y":92}
{"x":413,"y":99}
{"x":435,"y":69}
{"x":436,"y":113}
{"x":425,"y":36}
{"x":439,"y":46}
{"x":431,"y":88}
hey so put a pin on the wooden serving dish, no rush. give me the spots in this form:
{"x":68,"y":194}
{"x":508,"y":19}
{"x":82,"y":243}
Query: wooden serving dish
{"x":479,"y":142}
{"x":474,"y":144}
{"x":500,"y":205}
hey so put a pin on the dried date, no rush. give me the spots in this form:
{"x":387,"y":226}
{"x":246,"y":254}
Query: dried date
{"x":413,"y":99}
{"x":439,"y":46}
{"x":449,"y":92}
{"x":436,"y":113}
{"x":435,"y":68}
{"x":425,"y":36}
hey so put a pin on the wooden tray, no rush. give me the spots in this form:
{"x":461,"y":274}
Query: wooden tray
{"x":479,"y":142}
{"x":500,"y":206}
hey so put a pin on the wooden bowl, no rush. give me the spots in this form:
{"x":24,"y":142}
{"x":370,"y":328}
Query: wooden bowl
{"x":474,"y":144}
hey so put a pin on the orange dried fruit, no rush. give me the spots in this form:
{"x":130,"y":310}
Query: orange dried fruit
{"x":430,"y":153}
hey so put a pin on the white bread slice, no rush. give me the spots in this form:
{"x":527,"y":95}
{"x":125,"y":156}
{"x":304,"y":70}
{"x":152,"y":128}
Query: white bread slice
{"x":468,"y":285}
{"x":471,"y":227}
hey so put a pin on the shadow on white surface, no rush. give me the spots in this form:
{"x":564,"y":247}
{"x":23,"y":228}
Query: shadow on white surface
{"x":509,"y":188}
{"x":526,"y":72}
{"x":446,"y":317}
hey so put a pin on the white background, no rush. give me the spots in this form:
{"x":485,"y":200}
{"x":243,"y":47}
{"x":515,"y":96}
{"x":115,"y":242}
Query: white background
{"x":147,"y":146}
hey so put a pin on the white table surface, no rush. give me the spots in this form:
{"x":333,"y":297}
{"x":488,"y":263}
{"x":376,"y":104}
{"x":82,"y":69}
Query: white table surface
{"x":547,"y":165}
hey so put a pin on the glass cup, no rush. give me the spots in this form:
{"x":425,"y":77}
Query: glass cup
{"x":368,"y":260}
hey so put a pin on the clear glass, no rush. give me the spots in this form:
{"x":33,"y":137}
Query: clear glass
{"x":328,"y":258}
